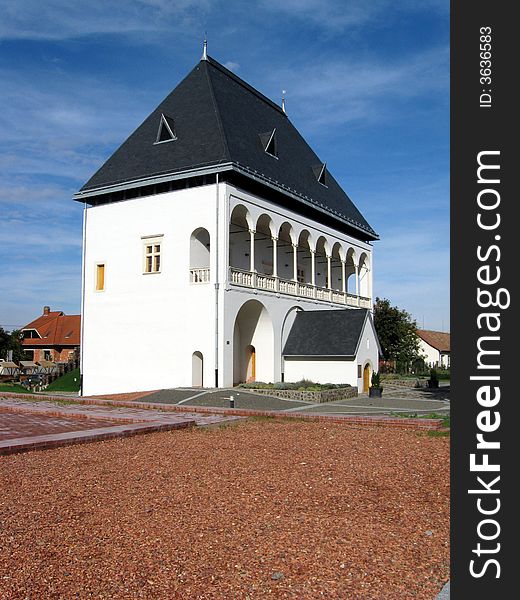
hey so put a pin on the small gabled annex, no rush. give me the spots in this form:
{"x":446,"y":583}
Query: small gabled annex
{"x":332,"y":346}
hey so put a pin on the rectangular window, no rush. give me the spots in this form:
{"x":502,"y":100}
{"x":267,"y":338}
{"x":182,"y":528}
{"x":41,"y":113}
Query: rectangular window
{"x":301,"y":275}
{"x":100,"y":277}
{"x":359,"y":371}
{"x":152,"y":254}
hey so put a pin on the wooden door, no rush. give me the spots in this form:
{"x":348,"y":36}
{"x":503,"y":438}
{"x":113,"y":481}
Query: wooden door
{"x":366,"y":378}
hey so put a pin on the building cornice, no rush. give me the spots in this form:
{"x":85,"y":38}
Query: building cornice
{"x":85,"y":195}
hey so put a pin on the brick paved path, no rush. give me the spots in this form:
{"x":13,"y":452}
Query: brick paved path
{"x":26,"y":425}
{"x":17,"y":425}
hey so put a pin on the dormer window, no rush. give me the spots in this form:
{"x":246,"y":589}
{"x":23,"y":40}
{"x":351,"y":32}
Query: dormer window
{"x":320,"y":172}
{"x":166,"y":131}
{"x":269,"y":142}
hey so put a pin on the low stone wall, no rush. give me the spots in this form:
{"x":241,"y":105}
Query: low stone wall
{"x":308,"y":396}
{"x":405,"y":382}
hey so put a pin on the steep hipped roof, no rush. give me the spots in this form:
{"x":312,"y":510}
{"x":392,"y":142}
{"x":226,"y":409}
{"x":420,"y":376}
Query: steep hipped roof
{"x":437,"y":339}
{"x":54,"y":329}
{"x":326,"y":333}
{"x":217,"y":122}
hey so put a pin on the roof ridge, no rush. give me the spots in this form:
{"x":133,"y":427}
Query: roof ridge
{"x":247,"y":86}
{"x":227,"y":153}
{"x":434,"y":331}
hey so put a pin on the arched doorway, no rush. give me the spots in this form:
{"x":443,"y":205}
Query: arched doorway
{"x":366,"y":378}
{"x":253,"y":344}
{"x":197,"y":369}
{"x":251,"y":363}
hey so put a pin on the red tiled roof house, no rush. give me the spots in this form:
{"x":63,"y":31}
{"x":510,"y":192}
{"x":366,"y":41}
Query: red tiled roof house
{"x":53,"y":336}
{"x":436,"y":347}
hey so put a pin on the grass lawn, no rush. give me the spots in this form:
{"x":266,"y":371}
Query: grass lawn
{"x":446,"y":421}
{"x":13,"y":387}
{"x":67,"y":383}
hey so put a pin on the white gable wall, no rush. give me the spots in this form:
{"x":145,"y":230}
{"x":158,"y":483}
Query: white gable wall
{"x":432,"y":356}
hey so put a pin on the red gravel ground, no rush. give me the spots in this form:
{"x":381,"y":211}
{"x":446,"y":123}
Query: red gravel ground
{"x":255,"y":510}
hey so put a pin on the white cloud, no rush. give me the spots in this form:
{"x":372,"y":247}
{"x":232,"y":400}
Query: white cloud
{"x":63,"y":124}
{"x":62,"y":19}
{"x":232,"y":66}
{"x":341,"y":90}
{"x":332,"y":14}
{"x":337,"y":15}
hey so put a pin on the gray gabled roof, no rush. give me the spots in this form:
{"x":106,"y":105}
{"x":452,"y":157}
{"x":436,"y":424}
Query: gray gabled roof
{"x":326,"y":333}
{"x":222,"y":123}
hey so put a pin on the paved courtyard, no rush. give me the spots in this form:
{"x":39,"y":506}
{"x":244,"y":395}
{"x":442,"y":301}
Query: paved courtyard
{"x":44,"y":423}
{"x":396,"y":400}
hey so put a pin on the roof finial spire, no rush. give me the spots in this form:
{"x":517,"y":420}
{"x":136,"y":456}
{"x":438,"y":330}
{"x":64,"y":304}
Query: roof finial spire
{"x":205,"y":50}
{"x":283,"y":101}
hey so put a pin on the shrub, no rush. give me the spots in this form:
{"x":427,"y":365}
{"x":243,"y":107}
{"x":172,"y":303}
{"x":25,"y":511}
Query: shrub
{"x":376,"y":380}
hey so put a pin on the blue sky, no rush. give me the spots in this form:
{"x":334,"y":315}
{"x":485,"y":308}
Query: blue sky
{"x":367,"y":85}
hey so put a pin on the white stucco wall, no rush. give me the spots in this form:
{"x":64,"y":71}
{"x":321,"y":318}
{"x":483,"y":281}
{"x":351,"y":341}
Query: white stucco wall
{"x":433,"y":357}
{"x":141,"y":331}
{"x":338,"y":370}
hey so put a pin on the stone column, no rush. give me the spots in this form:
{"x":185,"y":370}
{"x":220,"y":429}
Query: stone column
{"x":356,"y":268}
{"x":344,"y":276}
{"x":275,"y":256}
{"x":295,"y":262}
{"x":252,"y":251}
{"x":329,"y":276}
{"x":313,"y":268}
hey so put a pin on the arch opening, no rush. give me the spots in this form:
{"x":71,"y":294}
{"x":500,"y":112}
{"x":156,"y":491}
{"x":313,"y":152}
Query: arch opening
{"x":366,"y":378}
{"x":336,"y":267}
{"x":264,"y":245}
{"x":305,"y":266}
{"x":197,"y":369}
{"x":253,"y":344}
{"x":350,"y":271}
{"x":364,"y":276}
{"x":285,"y":251}
{"x":240,"y":225}
{"x":200,"y":249}
{"x":321,"y":262}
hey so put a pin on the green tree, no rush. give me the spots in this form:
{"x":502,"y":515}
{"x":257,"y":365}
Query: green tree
{"x":397,"y":333}
{"x":11,"y":341}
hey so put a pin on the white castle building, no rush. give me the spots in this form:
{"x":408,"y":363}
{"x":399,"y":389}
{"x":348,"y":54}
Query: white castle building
{"x":219,"y":249}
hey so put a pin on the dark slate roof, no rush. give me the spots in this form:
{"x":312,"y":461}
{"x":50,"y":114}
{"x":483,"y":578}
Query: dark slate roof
{"x":219,"y":122}
{"x":326,"y":332}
